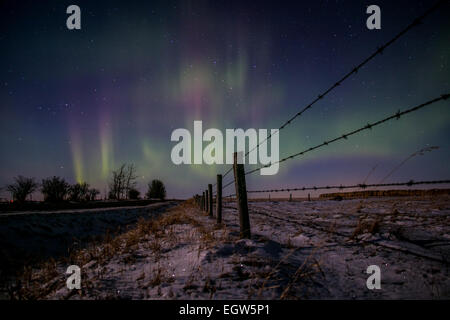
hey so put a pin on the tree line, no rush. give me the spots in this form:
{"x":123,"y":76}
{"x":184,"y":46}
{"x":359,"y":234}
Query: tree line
{"x":122,"y":186}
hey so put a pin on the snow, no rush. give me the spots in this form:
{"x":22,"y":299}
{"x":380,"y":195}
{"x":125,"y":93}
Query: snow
{"x":35,"y":235}
{"x":298,"y":250}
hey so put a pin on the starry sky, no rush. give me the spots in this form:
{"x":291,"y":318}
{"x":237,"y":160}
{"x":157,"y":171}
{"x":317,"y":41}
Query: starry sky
{"x":78,"y":103}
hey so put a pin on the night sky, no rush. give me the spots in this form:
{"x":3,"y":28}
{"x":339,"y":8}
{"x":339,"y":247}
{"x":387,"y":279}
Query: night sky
{"x":78,"y":103}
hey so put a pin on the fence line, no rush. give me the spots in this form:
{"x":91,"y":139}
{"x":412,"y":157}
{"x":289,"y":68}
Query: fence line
{"x":378,"y":51}
{"x":361,"y":186}
{"x":368,"y":126}
{"x":345,"y":136}
{"x":239,"y":174}
{"x":341,"y":187}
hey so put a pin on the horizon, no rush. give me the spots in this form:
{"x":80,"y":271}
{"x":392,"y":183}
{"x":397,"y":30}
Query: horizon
{"x":77,"y":104}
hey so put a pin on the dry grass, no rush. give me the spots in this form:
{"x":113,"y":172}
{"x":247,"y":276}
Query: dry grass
{"x":305,"y":270}
{"x":159,"y":276}
{"x":148,"y":232}
{"x":366,"y":225}
{"x":210,"y":287}
{"x":359,"y":207}
{"x":158,"y":235}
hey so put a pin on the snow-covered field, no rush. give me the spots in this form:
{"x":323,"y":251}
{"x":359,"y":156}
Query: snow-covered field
{"x":299,"y":250}
{"x":26,"y":237}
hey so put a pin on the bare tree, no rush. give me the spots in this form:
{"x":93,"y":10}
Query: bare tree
{"x":21,"y":188}
{"x":130,"y":183}
{"x":123,"y":179}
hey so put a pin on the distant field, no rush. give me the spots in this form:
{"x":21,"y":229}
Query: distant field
{"x":386,"y":193}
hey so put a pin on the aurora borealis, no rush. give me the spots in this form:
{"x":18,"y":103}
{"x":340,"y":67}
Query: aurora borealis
{"x":78,"y":103}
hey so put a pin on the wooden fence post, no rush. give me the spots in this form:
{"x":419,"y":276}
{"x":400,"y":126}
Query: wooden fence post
{"x":210,"y":200}
{"x":204,"y":207}
{"x":241,"y":197}
{"x":203,"y":201}
{"x":219,"y":199}
{"x":206,"y":200}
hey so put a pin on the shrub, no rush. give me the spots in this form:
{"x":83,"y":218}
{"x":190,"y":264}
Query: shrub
{"x":54,"y":189}
{"x":112,"y":195}
{"x":133,"y":194}
{"x":79,"y":192}
{"x":21,"y":188}
{"x":156,"y":189}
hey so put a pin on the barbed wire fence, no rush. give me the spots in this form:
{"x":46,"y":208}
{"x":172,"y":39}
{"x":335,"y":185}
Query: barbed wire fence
{"x":355,"y":186}
{"x":206,"y":201}
{"x":345,"y":136}
{"x":379,"y":50}
{"x":342,"y":187}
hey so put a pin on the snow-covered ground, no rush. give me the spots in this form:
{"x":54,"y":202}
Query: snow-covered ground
{"x":26,"y":237}
{"x":299,"y":250}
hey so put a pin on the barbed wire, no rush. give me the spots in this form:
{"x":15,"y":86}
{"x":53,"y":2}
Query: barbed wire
{"x":230,"y":195}
{"x":223,"y":176}
{"x":345,"y":136}
{"x":228,"y":184}
{"x":341,"y":187}
{"x":361,"y":186}
{"x":378,"y":51}
{"x":229,"y":170}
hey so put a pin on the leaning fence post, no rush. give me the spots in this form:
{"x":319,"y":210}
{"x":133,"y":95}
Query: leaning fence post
{"x":241,"y":196}
{"x":219,"y":199}
{"x":210,"y":200}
